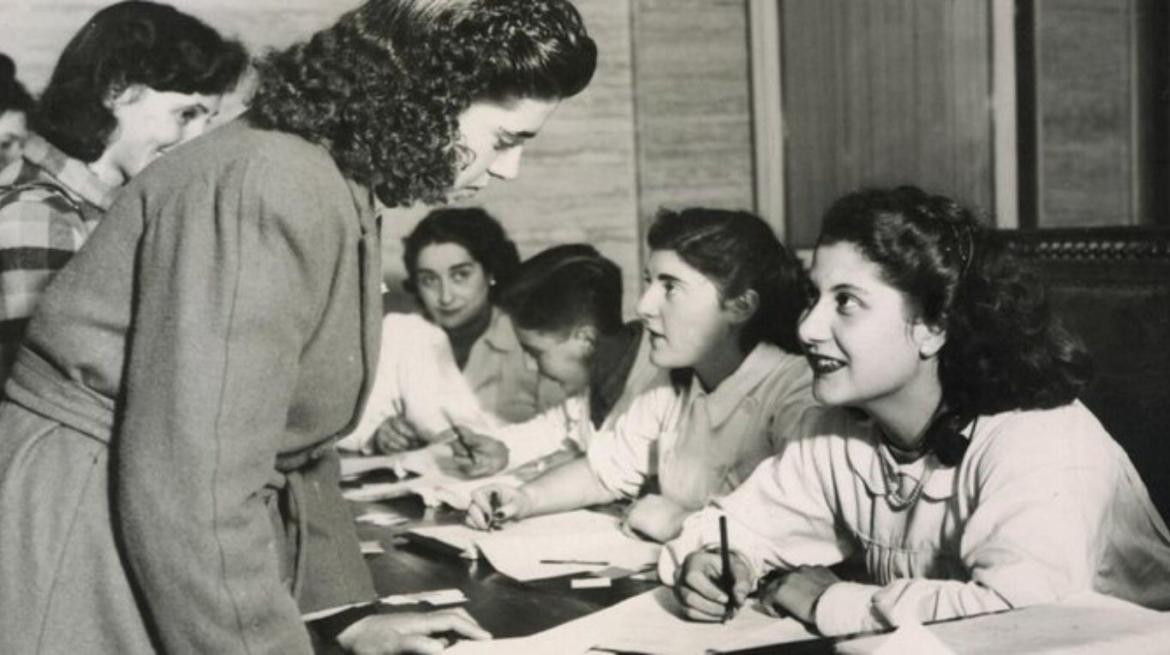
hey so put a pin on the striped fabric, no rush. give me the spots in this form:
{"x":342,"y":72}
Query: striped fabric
{"x":51,"y":208}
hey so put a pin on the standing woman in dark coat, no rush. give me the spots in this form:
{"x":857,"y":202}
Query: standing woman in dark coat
{"x":167,"y":476}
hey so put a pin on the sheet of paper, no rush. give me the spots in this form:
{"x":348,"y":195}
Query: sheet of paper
{"x":1089,"y":623}
{"x":353,"y":466}
{"x":463,"y":539}
{"x":438,"y":480}
{"x":650,"y":623}
{"x":527,"y":557}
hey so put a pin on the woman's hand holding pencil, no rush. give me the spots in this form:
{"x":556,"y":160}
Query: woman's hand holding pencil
{"x":493,"y":504}
{"x":713,"y":584}
{"x":477,"y":455}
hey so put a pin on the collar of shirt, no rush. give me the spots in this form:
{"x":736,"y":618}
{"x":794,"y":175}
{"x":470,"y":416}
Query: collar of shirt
{"x":864,"y":452}
{"x":737,"y":388}
{"x":69,"y":173}
{"x":500,"y":336}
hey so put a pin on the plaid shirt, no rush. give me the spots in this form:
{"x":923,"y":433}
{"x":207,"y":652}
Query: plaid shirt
{"x":51,"y":207}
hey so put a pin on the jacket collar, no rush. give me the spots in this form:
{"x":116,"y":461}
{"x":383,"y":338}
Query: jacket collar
{"x":864,"y":452}
{"x":738,"y":387}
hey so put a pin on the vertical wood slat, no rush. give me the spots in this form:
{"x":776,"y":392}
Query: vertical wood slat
{"x":885,"y":92}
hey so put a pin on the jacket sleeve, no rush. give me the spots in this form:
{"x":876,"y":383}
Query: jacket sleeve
{"x":231,"y":282}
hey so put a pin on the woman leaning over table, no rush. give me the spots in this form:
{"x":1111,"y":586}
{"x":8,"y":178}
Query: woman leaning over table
{"x":167,"y":478}
{"x":138,"y":79}
{"x":956,"y":463}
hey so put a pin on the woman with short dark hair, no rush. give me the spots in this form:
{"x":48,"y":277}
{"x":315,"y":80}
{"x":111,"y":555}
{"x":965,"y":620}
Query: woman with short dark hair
{"x":138,"y":79}
{"x":168,"y":480}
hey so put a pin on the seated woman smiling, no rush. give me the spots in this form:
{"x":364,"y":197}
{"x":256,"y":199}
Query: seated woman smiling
{"x":954,"y":461}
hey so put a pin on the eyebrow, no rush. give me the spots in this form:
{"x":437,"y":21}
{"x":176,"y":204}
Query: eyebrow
{"x":524,"y":134}
{"x":845,"y":286}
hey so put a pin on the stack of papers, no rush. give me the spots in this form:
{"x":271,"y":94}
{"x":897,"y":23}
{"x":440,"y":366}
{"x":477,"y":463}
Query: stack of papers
{"x":549,"y":546}
{"x":430,"y":472}
{"x":1084,"y":624}
{"x":649,"y":623}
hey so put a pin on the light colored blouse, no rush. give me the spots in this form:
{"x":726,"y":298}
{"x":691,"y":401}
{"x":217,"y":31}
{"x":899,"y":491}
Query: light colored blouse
{"x":418,"y":380}
{"x":1043,"y":505}
{"x":504,"y":378}
{"x":703,"y":444}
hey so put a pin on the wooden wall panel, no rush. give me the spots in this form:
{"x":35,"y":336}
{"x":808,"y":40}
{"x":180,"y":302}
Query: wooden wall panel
{"x":666,"y":120}
{"x":884,"y":92}
{"x":693,"y":100}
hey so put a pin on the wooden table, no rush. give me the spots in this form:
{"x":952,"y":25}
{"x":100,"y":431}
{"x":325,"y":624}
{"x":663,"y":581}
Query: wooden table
{"x":503,"y":606}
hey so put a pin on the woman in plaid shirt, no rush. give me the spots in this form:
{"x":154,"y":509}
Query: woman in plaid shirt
{"x":137,"y":79}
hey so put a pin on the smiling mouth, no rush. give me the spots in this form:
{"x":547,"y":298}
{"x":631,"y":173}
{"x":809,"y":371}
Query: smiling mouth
{"x":822,"y":365}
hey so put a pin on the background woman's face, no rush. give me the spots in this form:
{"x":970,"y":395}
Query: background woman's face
{"x":492,"y":137}
{"x":150,"y":123}
{"x":453,"y":286}
{"x":13,"y":132}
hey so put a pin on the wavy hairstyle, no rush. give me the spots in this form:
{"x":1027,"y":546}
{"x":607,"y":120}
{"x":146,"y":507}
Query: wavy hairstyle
{"x":563,"y":287}
{"x":476,"y":231}
{"x":1004,"y":350}
{"x":123,"y":45}
{"x":738,"y":251}
{"x":384,"y":86}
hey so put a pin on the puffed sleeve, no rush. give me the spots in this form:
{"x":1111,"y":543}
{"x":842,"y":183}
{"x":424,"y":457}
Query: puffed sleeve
{"x":1040,"y":493}
{"x":780,"y":517}
{"x":622,"y":457}
{"x":232,"y":281}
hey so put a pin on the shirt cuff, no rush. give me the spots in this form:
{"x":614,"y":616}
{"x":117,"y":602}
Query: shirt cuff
{"x":844,"y":607}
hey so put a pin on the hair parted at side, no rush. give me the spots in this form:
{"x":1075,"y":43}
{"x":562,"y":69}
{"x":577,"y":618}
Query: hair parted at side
{"x":13,"y":95}
{"x":126,"y":44}
{"x":476,"y":231}
{"x":565,"y":287}
{"x":738,"y":251}
{"x":383,"y":87}
{"x":1004,"y":350}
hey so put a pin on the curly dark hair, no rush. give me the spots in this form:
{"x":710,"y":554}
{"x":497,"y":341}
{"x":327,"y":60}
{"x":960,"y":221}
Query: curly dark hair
{"x":738,"y":251}
{"x":13,"y":95}
{"x":384,"y":86}
{"x":563,"y":287}
{"x":126,"y":44}
{"x":1004,"y":349}
{"x":471,"y":227}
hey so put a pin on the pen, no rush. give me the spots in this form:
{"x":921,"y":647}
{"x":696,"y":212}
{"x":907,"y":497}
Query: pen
{"x":583,"y":562}
{"x":459,"y":436}
{"x":727,"y":582}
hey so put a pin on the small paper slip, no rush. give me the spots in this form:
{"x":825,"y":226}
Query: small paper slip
{"x":590,"y":583}
{"x":372,"y":548}
{"x":437,"y":598}
{"x":352,"y":467}
{"x":1082,"y":625}
{"x":382,"y":519}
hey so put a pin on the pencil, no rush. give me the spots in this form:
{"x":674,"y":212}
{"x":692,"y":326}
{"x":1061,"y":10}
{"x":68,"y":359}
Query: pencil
{"x":583,"y":562}
{"x":727,"y":581}
{"x":494,"y":502}
{"x":459,"y":436}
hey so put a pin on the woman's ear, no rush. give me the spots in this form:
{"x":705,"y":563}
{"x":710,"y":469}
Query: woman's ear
{"x":743,"y":306}
{"x":930,"y":339}
{"x":586,"y":338}
{"x":118,"y":95}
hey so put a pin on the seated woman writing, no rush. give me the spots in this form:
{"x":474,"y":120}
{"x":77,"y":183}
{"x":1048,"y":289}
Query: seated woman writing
{"x":566,"y":305}
{"x":955,"y":461}
{"x":720,"y":308}
{"x":457,"y":260}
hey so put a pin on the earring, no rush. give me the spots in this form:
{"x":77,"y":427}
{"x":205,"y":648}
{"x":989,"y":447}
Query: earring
{"x":492,"y":282}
